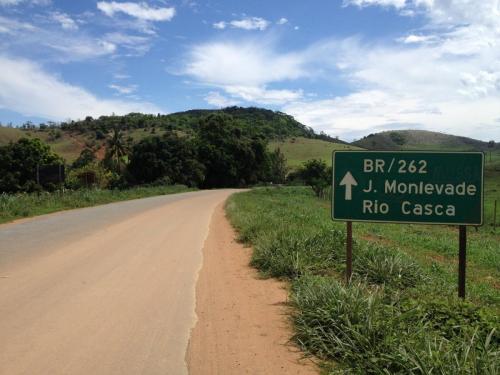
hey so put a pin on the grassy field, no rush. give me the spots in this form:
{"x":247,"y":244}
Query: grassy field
{"x":299,"y":150}
{"x":400,"y":315}
{"x":9,"y":135}
{"x":25,"y":205}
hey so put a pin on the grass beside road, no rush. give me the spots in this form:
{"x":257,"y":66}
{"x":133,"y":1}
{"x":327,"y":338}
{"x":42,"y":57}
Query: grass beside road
{"x":400,"y":314}
{"x":25,"y":205}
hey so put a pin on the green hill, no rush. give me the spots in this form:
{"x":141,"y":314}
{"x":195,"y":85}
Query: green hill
{"x":254,"y":121}
{"x":420,"y":140}
{"x":68,"y":139}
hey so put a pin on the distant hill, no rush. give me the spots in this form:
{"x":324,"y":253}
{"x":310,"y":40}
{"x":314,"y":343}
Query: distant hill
{"x":254,"y":121}
{"x":69,"y":138}
{"x":420,"y":140}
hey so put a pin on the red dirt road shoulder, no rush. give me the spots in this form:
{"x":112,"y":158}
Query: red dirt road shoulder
{"x":242,"y":324}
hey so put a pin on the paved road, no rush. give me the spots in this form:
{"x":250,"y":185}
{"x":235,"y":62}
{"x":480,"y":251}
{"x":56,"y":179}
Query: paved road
{"x":103,"y":290}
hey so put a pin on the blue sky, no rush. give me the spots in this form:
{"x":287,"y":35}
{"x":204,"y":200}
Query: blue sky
{"x":345,"y":67}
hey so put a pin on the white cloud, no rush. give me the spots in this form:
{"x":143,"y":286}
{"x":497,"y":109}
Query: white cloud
{"x":242,"y":63}
{"x":139,"y":45}
{"x":399,"y":4}
{"x":356,"y":114}
{"x":10,"y":2}
{"x":253,"y":23}
{"x":449,"y":12}
{"x":78,"y":48}
{"x":120,"y":76}
{"x":248,"y":23}
{"x":412,"y":38}
{"x":218,"y":100}
{"x":18,"y":2}
{"x":140,"y":10}
{"x":31,"y":91}
{"x":124,"y":90}
{"x":263,"y":95}
{"x":282,"y":21}
{"x":62,"y":46}
{"x":220,"y":25}
{"x":244,"y":70}
{"x":11,"y":26}
{"x":66,"y":22}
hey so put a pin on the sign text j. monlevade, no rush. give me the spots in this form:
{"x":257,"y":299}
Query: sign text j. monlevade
{"x":411,"y":187}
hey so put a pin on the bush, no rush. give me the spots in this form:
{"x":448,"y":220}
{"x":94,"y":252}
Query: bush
{"x":453,"y":318}
{"x":317,"y":175}
{"x":346,"y":323}
{"x":91,"y":175}
{"x":384,"y":266}
{"x":355,"y":326}
{"x":18,"y":164}
{"x":291,"y":252}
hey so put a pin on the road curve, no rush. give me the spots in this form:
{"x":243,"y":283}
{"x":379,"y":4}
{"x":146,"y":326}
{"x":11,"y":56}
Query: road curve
{"x":103,"y":290}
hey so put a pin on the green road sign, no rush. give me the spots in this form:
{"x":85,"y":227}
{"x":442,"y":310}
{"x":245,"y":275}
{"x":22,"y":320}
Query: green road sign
{"x":408,"y":187}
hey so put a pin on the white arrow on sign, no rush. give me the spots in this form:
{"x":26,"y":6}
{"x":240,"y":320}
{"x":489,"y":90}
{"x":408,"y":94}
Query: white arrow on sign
{"x":348,"y":181}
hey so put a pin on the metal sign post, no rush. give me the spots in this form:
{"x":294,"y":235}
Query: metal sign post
{"x":409,"y":187}
{"x":348,"y":272}
{"x":462,"y":253}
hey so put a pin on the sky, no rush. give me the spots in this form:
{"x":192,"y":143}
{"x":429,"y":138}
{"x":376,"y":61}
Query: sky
{"x":344,"y":67}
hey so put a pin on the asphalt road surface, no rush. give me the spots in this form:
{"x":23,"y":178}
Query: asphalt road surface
{"x":103,"y":290}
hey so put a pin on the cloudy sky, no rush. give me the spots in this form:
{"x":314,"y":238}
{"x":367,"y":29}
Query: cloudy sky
{"x":345,"y":67}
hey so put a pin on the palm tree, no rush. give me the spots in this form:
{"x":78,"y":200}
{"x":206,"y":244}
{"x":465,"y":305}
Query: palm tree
{"x":116,"y":150}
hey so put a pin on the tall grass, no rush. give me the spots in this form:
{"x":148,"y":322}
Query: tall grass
{"x":15,"y":206}
{"x":394,"y":318}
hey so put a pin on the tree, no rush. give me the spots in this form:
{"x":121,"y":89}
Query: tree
{"x":19,"y":162}
{"x":231,"y":158}
{"x":116,"y":151}
{"x":169,"y":158}
{"x":316,"y":174}
{"x":87,"y":156}
{"x":491,"y":146}
{"x":277,"y":167}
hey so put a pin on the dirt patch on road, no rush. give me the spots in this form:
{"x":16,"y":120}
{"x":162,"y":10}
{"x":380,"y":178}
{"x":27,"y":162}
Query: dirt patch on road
{"x":242,"y":323}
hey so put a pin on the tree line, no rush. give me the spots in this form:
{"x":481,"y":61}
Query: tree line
{"x":219,"y":153}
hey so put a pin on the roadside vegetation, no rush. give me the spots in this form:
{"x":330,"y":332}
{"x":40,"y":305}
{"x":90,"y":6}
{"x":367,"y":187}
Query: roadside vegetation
{"x":400,"y":314}
{"x":220,"y":153}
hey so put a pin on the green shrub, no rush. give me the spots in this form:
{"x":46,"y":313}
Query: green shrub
{"x":346,"y":324}
{"x":384,"y":266}
{"x":291,"y":253}
{"x":472,"y":355}
{"x":354,"y":326}
{"x":91,"y":175}
{"x":453,"y":318}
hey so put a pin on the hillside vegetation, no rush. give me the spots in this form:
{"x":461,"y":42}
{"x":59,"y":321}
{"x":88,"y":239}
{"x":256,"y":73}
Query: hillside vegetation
{"x":68,"y":139}
{"x":421,"y":140}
